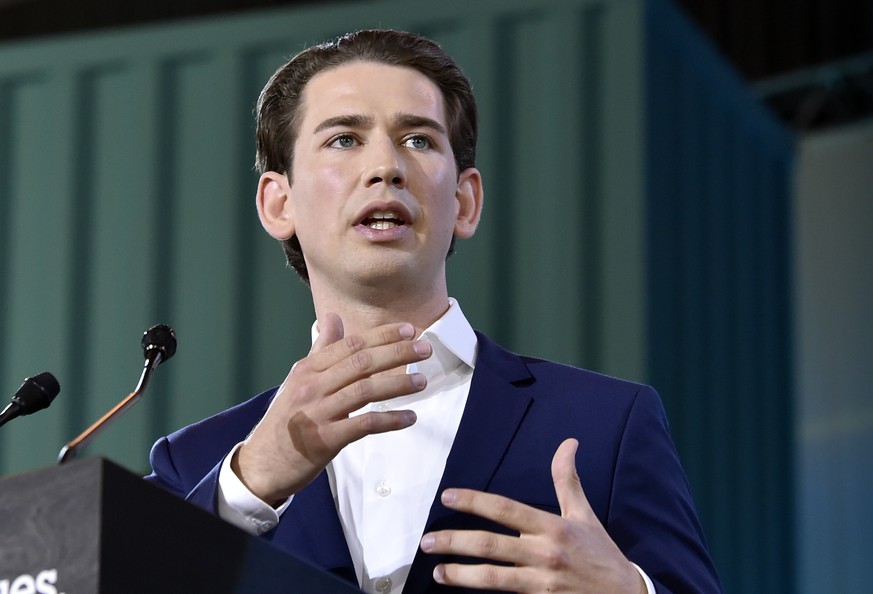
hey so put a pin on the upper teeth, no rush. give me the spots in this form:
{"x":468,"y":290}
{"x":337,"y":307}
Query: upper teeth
{"x":385,"y":214}
{"x":384,"y":219}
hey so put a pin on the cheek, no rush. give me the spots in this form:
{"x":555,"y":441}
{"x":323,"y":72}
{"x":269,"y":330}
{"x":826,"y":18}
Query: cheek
{"x":441,"y":177}
{"x":446,"y":187}
{"x":321,"y":186}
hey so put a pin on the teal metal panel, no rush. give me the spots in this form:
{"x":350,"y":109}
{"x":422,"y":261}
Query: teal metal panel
{"x":108,"y":254}
{"x":149,"y":140}
{"x":38,"y":280}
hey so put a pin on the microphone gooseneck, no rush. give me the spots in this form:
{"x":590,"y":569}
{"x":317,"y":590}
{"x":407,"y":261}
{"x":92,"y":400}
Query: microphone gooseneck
{"x":158,"y":345}
{"x":35,"y":394}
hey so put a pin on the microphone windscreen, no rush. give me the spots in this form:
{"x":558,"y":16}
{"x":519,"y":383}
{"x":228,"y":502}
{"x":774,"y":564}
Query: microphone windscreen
{"x":37,"y":392}
{"x":160,"y":337}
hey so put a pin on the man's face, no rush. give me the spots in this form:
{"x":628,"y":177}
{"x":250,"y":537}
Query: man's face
{"x":375,"y":196}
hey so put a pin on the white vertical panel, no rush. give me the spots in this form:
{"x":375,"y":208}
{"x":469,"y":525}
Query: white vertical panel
{"x":834,"y":342}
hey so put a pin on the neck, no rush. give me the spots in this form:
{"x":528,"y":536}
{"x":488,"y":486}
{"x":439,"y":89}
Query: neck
{"x":374,"y":306}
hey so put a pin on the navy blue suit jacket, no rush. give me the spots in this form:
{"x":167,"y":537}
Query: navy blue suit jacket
{"x":519,"y":410}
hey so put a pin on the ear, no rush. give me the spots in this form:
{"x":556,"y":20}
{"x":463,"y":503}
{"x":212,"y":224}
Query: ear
{"x":274,"y":205}
{"x":469,"y":196}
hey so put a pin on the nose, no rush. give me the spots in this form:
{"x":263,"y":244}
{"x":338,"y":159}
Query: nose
{"x":385,"y":165}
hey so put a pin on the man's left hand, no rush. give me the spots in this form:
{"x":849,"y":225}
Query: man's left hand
{"x":570,"y":553}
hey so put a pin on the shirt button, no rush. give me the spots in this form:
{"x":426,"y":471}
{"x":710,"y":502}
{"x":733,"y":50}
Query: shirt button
{"x":383,"y":585}
{"x":383,"y":490}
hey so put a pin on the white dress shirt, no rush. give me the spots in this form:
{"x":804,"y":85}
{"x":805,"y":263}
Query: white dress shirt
{"x":383,"y":485}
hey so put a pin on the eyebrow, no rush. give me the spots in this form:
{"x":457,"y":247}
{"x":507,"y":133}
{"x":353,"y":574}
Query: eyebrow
{"x":345,"y":121}
{"x":405,"y":120}
{"x":408,"y":120}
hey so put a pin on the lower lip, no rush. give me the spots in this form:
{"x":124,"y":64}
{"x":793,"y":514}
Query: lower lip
{"x":383,"y":235}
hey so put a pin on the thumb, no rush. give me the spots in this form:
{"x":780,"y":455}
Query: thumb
{"x":568,"y":487}
{"x":330,"y":330}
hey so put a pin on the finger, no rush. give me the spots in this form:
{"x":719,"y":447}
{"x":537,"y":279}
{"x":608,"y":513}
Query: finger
{"x":354,"y":428}
{"x":369,"y":390}
{"x":476,"y":543}
{"x":568,"y":487}
{"x":330,"y":330}
{"x":482,"y":577}
{"x":347,"y":346}
{"x":512,"y":514}
{"x":354,"y":375}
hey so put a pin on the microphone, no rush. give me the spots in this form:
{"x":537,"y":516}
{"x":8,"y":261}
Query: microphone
{"x":158,"y":345}
{"x":36,"y":393}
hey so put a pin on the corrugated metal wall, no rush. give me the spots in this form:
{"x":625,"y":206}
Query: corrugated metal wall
{"x":718,"y":188}
{"x":129,"y":200}
{"x":126,"y":198}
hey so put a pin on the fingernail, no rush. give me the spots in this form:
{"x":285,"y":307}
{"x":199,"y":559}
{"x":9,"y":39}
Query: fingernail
{"x":407,"y":331}
{"x":448,"y":497}
{"x":422,"y":347}
{"x":418,"y":380}
{"x":439,"y":574}
{"x":409,"y":418}
{"x":427,"y":543}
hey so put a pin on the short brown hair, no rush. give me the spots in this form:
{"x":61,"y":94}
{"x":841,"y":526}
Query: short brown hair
{"x":278,"y":110}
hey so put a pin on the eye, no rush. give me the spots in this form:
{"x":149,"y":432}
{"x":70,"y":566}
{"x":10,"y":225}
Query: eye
{"x":343,"y":141}
{"x":418,"y":142}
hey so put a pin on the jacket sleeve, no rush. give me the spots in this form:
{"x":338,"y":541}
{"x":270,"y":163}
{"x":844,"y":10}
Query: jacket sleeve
{"x":201,"y":491}
{"x":651,"y":514}
{"x":187,"y":462}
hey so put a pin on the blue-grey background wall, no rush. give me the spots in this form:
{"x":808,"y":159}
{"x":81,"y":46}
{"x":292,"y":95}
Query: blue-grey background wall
{"x":834,"y":336}
{"x":637,"y":222}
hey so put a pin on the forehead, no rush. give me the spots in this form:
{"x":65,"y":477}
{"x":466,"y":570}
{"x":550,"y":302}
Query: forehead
{"x":370,"y":88}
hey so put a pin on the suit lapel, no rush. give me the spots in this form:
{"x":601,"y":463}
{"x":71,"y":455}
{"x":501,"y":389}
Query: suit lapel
{"x":495,"y":409}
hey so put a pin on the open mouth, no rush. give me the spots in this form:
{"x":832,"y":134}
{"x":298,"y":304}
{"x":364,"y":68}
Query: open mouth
{"x":383,"y":219}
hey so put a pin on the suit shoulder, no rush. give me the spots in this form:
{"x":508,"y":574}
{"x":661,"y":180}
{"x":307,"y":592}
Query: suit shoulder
{"x":182,"y":458}
{"x":551,"y":375}
{"x":545,"y":370}
{"x":246,"y":413}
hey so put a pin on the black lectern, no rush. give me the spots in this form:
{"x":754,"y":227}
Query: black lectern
{"x":92,"y":527}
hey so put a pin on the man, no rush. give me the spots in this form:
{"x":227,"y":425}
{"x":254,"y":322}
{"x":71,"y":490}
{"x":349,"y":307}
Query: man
{"x":407,"y":452}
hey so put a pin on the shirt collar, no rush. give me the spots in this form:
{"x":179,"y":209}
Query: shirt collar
{"x":453,"y":342}
{"x":452,"y":338}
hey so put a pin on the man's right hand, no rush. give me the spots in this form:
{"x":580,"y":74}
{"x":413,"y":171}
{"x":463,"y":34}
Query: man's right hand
{"x":308,"y":421}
